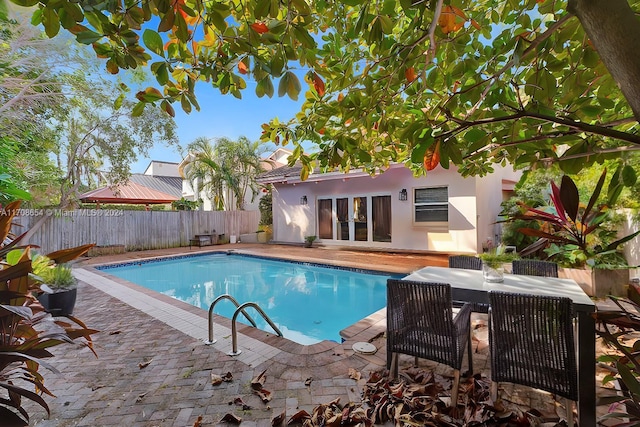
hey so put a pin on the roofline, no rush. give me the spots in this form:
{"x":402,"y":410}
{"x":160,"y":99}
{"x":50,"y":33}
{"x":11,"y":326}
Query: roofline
{"x":326,"y":176}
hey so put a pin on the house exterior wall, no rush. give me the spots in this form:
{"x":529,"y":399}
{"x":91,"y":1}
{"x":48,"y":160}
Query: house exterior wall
{"x":293,"y":221}
{"x":490,"y":192}
{"x":156,"y":168}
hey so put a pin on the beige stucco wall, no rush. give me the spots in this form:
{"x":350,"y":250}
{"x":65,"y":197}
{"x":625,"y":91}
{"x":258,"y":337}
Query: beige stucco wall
{"x":293,"y":221}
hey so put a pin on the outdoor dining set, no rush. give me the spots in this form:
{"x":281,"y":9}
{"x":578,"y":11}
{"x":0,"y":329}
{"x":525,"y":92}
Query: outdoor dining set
{"x":532,"y":316}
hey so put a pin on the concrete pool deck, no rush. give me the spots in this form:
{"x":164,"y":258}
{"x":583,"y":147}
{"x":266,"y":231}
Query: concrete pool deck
{"x":153,"y":368}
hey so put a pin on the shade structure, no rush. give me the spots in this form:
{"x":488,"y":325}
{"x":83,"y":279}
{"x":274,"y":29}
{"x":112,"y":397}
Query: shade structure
{"x":130,"y":193}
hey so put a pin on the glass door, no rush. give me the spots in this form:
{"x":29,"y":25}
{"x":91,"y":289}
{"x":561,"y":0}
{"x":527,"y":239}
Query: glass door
{"x":361,"y":230}
{"x":342,"y":215}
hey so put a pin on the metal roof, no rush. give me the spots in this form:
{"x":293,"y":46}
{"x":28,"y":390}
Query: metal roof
{"x":166,"y":184}
{"x":130,"y":193}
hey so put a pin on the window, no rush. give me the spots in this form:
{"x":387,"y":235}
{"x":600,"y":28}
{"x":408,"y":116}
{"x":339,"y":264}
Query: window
{"x":431,"y":205}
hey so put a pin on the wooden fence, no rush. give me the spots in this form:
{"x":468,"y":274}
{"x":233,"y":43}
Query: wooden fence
{"x":135,"y":230}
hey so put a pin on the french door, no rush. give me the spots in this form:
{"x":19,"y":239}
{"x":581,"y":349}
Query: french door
{"x":356,"y":218}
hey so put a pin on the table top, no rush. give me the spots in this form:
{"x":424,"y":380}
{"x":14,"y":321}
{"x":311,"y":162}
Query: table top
{"x":471,"y":284}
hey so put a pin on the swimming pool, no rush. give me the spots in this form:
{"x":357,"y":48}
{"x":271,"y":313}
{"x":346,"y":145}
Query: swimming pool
{"x":308,"y":302}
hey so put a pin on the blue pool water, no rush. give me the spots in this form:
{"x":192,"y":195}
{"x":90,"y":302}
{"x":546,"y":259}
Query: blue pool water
{"x":309,"y":303}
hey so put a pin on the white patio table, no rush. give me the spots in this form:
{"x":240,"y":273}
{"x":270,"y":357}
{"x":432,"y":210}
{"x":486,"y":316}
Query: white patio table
{"x":469,"y":285}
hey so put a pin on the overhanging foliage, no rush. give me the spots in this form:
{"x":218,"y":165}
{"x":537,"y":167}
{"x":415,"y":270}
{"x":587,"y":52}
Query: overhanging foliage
{"x":425,"y":83}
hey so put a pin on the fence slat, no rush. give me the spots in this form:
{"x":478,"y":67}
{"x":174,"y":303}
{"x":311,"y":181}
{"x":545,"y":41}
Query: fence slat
{"x":136,"y":230}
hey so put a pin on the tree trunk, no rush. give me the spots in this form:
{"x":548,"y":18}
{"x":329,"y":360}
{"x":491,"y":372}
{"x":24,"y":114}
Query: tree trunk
{"x":614,"y":31}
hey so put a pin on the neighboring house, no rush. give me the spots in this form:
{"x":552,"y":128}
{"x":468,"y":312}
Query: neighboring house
{"x":274,"y":160}
{"x":159,"y":168}
{"x":441,"y":212}
{"x":147,"y":189}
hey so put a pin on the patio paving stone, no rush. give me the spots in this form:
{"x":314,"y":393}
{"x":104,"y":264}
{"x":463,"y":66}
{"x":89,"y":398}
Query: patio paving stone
{"x":175,"y":388}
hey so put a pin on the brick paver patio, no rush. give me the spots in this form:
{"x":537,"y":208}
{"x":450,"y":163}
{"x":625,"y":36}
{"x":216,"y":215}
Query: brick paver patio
{"x":153,"y":368}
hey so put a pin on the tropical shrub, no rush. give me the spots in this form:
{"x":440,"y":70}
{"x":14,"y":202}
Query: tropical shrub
{"x":574,"y":234}
{"x":185,"y":205}
{"x":618,"y":330}
{"x":27,"y":332}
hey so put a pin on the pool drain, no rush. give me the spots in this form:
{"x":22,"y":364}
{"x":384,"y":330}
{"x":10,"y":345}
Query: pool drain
{"x":364,"y":348}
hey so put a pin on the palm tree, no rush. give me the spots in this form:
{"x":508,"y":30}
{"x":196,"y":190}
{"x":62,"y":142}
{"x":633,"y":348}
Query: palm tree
{"x":226,"y":170}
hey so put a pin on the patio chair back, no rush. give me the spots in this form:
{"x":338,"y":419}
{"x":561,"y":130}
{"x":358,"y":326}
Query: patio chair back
{"x":531,"y":342}
{"x":532,"y":267}
{"x":421,"y":323}
{"x":465,"y":261}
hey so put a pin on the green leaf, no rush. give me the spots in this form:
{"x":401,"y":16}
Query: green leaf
{"x":628,"y":378}
{"x":218,"y":20}
{"x":26,"y":3}
{"x":417,"y":154}
{"x":166,"y":107}
{"x":186,"y":105}
{"x":303,"y":37}
{"x":629,"y":176}
{"x":264,"y":87}
{"x":36,"y":18}
{"x":262,"y":8}
{"x":182,"y":31}
{"x":386,"y":24}
{"x":118,"y":102}
{"x":138,"y":109}
{"x":153,"y":41}
{"x":88,"y":37}
{"x":4,"y":11}
{"x":283,"y":84}
{"x":50,"y":21}
{"x":474,"y":135}
{"x":166,"y":22}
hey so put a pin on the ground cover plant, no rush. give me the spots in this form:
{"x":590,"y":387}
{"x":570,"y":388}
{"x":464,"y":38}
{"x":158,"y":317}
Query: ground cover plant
{"x":27,"y":332}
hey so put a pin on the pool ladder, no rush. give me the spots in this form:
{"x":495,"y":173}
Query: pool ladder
{"x":234,"y":330}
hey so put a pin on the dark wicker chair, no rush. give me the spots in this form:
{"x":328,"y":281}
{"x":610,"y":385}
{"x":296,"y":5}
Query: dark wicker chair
{"x":465,"y":261}
{"x":421,"y":323}
{"x":531,"y":343}
{"x":532,"y":267}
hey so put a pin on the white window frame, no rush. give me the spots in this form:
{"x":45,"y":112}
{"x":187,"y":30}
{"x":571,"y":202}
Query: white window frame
{"x":434,"y":225}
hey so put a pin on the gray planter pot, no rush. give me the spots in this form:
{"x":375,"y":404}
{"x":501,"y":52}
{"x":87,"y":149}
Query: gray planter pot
{"x":59,"y":303}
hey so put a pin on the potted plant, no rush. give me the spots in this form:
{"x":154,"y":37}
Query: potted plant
{"x":308,"y":241}
{"x":59,"y":288}
{"x":493,"y":262}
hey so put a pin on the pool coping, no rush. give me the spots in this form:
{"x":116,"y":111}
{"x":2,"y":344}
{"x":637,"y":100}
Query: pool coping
{"x":257,"y":346}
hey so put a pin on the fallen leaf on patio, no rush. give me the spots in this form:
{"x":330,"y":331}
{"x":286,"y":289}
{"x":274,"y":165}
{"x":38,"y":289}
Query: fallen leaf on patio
{"x":258,"y":381}
{"x":144,"y":364}
{"x":198,"y":422}
{"x":353,"y":374}
{"x":308,"y":381}
{"x":299,"y":417}
{"x":279,"y":419}
{"x":140,"y":397}
{"x":265,"y":395}
{"x":231,"y":418}
{"x":216,"y":379}
{"x":228,"y":377}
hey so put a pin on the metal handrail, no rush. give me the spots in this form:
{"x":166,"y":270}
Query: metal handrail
{"x":215,"y":301}
{"x":234,"y":332}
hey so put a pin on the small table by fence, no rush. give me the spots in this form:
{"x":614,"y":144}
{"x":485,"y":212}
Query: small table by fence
{"x":203,"y":240}
{"x":469,"y":285}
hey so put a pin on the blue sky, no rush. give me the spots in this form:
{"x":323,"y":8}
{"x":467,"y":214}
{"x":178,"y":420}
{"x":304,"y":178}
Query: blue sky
{"x":223,"y":116}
